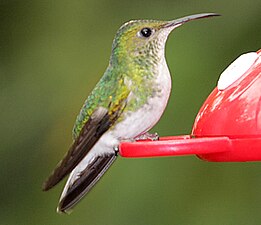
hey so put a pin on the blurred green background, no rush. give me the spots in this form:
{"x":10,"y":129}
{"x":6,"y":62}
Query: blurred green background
{"x":51,"y":55}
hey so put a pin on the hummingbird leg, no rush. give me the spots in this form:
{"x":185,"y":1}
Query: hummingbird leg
{"x":147,"y":136}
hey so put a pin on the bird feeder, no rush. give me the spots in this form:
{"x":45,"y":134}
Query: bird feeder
{"x":228,"y":125}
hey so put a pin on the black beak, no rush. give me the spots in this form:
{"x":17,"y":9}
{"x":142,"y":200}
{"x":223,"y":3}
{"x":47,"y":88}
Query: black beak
{"x":185,"y":19}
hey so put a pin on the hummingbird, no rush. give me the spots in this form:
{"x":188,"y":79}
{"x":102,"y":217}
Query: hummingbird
{"x":126,"y":103}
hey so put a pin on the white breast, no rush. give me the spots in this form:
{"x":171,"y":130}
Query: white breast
{"x":139,"y":122}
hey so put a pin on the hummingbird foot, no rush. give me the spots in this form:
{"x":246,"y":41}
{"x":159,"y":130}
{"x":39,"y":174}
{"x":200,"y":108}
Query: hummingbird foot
{"x":116,"y":149}
{"x":147,"y":136}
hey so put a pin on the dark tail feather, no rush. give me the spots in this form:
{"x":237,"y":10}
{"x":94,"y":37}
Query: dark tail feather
{"x":87,"y":179}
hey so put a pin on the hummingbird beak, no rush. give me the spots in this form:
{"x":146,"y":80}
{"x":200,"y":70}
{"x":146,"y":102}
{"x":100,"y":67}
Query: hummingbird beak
{"x":178,"y":22}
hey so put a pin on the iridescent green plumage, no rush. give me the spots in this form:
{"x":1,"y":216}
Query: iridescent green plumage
{"x":104,"y":95}
{"x":131,"y":69}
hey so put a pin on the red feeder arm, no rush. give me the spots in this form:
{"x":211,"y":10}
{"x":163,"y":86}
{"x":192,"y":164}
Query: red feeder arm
{"x":228,"y":125}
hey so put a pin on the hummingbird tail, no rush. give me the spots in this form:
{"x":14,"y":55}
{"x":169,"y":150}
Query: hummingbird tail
{"x":86,"y":178}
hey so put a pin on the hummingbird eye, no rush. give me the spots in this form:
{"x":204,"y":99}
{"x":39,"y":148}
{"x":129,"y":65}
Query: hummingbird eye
{"x":145,"y":32}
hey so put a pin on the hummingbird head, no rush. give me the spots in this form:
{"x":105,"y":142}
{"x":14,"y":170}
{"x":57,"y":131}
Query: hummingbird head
{"x":144,"y":40}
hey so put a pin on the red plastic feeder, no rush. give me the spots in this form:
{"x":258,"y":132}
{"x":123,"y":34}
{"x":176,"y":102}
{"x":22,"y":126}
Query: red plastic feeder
{"x":228,"y":125}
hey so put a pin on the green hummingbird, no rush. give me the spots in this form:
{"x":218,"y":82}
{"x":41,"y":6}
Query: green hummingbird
{"x":125,"y":104}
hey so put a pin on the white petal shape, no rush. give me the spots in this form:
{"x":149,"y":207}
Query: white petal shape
{"x":236,"y":69}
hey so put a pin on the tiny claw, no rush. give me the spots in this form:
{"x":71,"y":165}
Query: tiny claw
{"x":147,"y":136}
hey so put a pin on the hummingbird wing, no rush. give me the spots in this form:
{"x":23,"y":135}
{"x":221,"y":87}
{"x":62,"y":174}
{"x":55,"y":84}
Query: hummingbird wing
{"x":100,"y":112}
{"x":98,"y":123}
